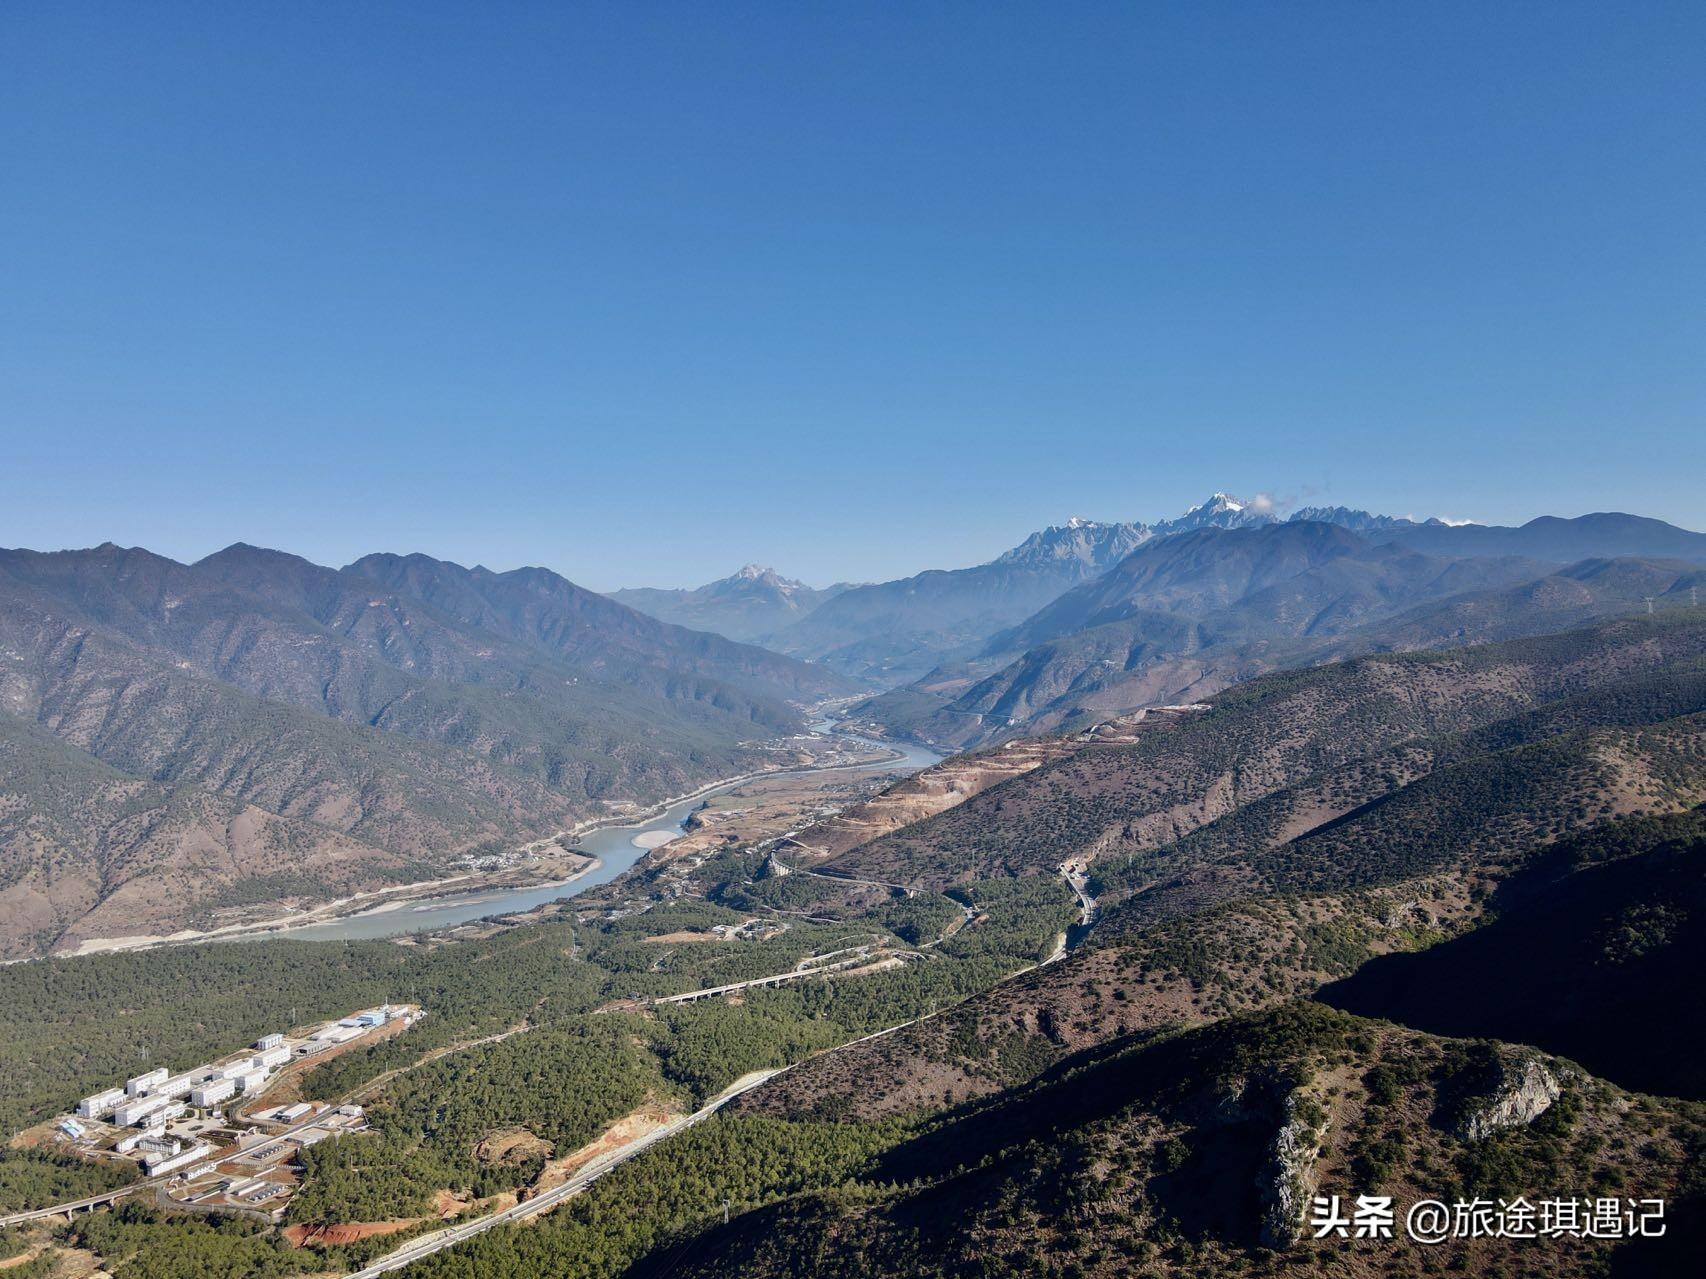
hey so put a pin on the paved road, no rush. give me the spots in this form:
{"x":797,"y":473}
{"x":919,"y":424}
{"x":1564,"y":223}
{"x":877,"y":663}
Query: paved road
{"x":1080,"y":885}
{"x":775,"y":979}
{"x":94,"y":1201}
{"x":835,"y":875}
{"x":967,"y":914}
{"x":1087,"y":908}
{"x":854,"y":879}
{"x":810,"y":966}
{"x":425,"y":1246}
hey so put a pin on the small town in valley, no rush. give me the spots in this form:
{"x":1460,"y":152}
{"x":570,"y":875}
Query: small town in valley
{"x":205,"y":1138}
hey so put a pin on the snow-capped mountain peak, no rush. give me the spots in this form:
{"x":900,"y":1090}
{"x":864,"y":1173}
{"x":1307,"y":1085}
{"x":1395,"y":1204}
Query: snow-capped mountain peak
{"x":1222,"y":510}
{"x":757,"y":577}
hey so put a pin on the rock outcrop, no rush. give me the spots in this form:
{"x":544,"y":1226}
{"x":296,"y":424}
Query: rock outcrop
{"x":1288,"y":1180}
{"x":1525,"y":1091}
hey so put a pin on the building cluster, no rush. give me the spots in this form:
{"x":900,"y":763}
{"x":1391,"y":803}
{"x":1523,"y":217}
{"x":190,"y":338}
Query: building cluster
{"x":151,"y":1099}
{"x":175,"y":1124}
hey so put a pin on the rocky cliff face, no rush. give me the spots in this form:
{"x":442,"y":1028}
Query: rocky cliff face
{"x":1525,"y":1091}
{"x":1288,"y":1180}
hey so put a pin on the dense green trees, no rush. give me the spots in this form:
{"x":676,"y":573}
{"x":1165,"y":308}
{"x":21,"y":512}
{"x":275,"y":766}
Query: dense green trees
{"x":37,"y":1178}
{"x":666,"y":1193}
{"x":139,"y":1242}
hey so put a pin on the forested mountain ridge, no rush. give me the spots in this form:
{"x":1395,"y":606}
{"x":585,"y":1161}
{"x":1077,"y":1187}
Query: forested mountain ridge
{"x":1262,"y":736}
{"x":1199,"y":1154}
{"x":384,"y":730}
{"x":545,"y":611}
{"x":1562,"y":540}
{"x":1535,"y":877}
{"x":1299,"y":577}
{"x":1416,"y":805}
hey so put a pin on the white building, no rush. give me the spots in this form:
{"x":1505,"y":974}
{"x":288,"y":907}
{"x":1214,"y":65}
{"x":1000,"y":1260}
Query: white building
{"x":269,"y":1041}
{"x":142,"y":1083}
{"x":179,"y":1085}
{"x":161,"y":1164}
{"x":124,"y":1145}
{"x":102,"y":1103}
{"x":137,"y":1112}
{"x":276,"y":1055}
{"x":214,"y":1092}
{"x":252,"y":1082}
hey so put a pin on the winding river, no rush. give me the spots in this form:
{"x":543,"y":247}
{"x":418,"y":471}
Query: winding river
{"x":613,"y":846}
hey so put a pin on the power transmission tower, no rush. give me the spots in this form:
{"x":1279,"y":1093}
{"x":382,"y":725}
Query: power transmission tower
{"x":1649,"y":600}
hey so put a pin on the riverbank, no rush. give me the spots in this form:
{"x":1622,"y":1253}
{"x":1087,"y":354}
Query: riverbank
{"x":624,"y":821}
{"x":379,"y":901}
{"x":617,"y":842}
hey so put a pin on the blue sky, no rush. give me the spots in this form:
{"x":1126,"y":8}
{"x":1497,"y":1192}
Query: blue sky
{"x":642,"y":292}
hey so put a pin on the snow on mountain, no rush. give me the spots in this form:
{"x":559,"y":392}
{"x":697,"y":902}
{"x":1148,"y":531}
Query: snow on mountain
{"x":1090,"y":542}
{"x":756,"y":577}
{"x":1361,"y":521}
{"x":1222,"y":510}
{"x":1357,"y":521}
{"x":748,"y":605}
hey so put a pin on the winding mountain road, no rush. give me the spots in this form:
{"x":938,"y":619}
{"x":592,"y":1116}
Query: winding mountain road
{"x":426,"y":1245}
{"x":546,"y":1200}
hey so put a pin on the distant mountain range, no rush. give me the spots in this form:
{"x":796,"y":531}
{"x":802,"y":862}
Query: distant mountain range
{"x":176,"y":739}
{"x":943,"y":630}
{"x":1187,"y":614}
{"x":889,"y":633}
{"x":750,"y":605}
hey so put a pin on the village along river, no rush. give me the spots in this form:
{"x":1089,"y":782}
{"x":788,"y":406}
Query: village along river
{"x":614,"y":847}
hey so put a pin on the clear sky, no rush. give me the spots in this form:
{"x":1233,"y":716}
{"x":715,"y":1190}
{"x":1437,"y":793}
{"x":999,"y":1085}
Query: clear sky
{"x":644,"y":291}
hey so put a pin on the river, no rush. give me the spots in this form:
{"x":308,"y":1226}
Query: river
{"x":612,"y":845}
